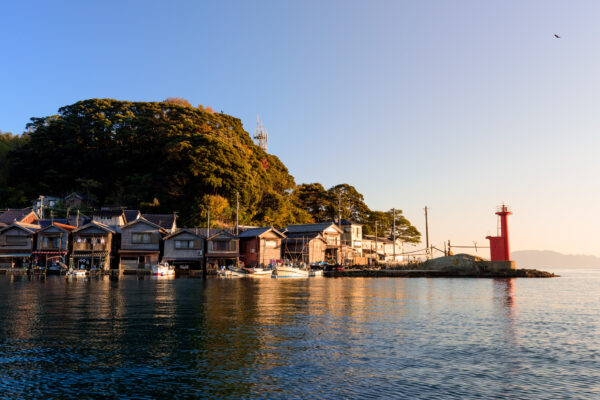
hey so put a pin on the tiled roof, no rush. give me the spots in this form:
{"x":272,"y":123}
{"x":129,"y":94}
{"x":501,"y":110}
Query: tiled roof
{"x":163,"y":220}
{"x":47,"y":222}
{"x":254,"y":232}
{"x":83,"y":220}
{"x":381,"y":239}
{"x":58,"y":224}
{"x":194,"y":232}
{"x":96,"y":224}
{"x":65,"y":226}
{"x":107,"y":213}
{"x":26,"y":227}
{"x":300,"y":237}
{"x":131,"y":215}
{"x":319,"y":227}
{"x":10,"y":216}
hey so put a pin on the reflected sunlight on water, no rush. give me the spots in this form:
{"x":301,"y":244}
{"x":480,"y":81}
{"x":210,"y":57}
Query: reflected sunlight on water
{"x":301,"y":338}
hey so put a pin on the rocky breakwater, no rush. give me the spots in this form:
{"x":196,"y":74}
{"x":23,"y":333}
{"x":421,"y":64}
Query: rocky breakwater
{"x":460,"y":266}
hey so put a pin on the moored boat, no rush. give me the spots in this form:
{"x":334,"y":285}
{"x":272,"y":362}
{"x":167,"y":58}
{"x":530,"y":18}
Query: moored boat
{"x":163,"y":269}
{"x":230,"y":272}
{"x":315,"y":272}
{"x":76,"y":273}
{"x":257,"y":272}
{"x":288,"y":271}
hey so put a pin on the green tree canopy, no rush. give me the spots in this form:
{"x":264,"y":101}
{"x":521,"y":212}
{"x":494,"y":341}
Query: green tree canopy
{"x":130,"y":153}
{"x":170,"y":157}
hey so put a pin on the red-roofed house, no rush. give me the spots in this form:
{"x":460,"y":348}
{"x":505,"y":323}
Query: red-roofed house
{"x":53,"y":244}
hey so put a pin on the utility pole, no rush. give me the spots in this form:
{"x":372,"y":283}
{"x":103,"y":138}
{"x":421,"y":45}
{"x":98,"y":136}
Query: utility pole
{"x":426,"y":230}
{"x":394,"y":233}
{"x":376,"y":253}
{"x":41,"y":207}
{"x":237,"y":212}
{"x":208,"y":223}
{"x":340,"y":225}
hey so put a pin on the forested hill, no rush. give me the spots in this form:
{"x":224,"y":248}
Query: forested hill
{"x":163,"y":157}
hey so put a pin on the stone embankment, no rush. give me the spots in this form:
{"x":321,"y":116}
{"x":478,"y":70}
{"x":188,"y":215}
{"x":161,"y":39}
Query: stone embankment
{"x":459,"y":266}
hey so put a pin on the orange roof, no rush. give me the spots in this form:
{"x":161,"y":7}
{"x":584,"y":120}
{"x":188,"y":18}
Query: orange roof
{"x":64,"y":226}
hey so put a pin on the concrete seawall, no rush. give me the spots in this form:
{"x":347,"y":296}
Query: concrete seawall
{"x":460,"y":265}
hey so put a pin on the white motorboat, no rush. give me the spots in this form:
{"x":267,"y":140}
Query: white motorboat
{"x":257,"y":272}
{"x":230,"y":272}
{"x":288,"y":271}
{"x":163,"y":269}
{"x":315,"y":272}
{"x":76,"y":273}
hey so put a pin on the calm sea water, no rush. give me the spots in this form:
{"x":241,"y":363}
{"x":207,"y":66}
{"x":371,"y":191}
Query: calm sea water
{"x":298,"y":338}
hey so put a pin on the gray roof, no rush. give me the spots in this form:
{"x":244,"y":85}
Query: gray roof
{"x":381,"y":239}
{"x":299,"y":237}
{"x":217,"y":232}
{"x":163,"y":220}
{"x":83,"y":220}
{"x":131,"y":215}
{"x":10,"y":216}
{"x":255,"y":232}
{"x":304,"y":228}
{"x":107,"y":213}
{"x":196,"y":232}
{"x":26,"y":227}
{"x":95,"y":224}
{"x":47,"y":221}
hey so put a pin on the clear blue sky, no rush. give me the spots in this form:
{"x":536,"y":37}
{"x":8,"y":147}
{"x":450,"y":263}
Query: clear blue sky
{"x":456,"y":105}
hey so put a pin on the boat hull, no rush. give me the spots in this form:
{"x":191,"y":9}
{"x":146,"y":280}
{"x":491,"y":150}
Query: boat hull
{"x":290,"y":272}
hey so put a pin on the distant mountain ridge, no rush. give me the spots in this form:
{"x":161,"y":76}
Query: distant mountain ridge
{"x":548,"y":258}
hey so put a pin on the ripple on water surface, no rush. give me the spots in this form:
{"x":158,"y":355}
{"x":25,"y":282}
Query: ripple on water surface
{"x":298,"y":338}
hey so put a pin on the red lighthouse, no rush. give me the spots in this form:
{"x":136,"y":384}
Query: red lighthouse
{"x":499,"y":250}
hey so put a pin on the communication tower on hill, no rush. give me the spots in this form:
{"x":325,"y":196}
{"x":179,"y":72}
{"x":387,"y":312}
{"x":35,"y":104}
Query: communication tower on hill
{"x":261,"y":134}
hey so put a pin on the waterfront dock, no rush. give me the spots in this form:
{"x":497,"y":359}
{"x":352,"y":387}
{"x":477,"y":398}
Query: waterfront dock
{"x":431,"y":273}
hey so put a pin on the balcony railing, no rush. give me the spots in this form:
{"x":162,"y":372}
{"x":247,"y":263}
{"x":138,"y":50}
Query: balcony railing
{"x":50,"y":246}
{"x":89,"y":247}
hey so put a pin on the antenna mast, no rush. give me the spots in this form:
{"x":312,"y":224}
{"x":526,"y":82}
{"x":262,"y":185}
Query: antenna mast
{"x":261,"y":134}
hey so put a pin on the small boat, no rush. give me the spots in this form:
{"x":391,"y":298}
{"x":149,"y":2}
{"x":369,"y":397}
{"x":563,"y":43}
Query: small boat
{"x":230,"y":272}
{"x":76,"y":273}
{"x":257,"y":272}
{"x":315,"y":272}
{"x":57,"y":269}
{"x":163,"y":269}
{"x":288,"y":271}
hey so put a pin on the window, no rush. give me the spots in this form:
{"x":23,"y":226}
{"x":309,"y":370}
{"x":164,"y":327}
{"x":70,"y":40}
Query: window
{"x":271,"y":244}
{"x":141,"y":238}
{"x":220,"y":245}
{"x":16,"y":240}
{"x":49,"y":242}
{"x":184,"y":244}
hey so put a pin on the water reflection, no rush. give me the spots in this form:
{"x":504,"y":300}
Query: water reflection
{"x":297,"y":338}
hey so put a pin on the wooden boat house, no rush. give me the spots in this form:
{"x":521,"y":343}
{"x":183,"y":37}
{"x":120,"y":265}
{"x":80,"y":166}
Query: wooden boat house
{"x":329,"y":231}
{"x":260,"y":246}
{"x":92,"y":246}
{"x":184,"y":249}
{"x":140,"y":244}
{"x":53,"y":244}
{"x":222,"y":249}
{"x":307,"y":248}
{"x":17,"y":242}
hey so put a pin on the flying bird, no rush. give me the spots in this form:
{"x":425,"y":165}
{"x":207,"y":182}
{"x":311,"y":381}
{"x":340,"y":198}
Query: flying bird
{"x":556,"y":36}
